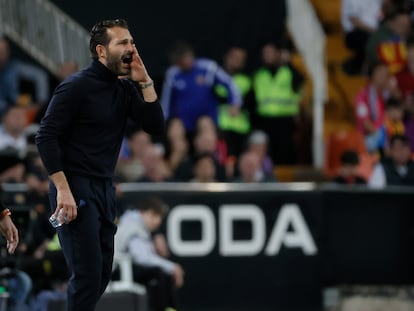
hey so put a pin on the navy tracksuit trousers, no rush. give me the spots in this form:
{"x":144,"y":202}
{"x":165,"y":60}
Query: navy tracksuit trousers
{"x":88,"y":241}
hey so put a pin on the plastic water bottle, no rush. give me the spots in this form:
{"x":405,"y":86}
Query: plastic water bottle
{"x":60,"y":219}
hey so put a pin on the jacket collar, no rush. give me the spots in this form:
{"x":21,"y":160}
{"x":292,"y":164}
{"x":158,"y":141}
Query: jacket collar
{"x":102,"y":71}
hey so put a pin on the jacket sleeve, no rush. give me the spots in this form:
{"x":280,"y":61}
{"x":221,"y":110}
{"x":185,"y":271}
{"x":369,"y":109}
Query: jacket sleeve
{"x":148,"y":115}
{"x":167,"y":94}
{"x":58,"y":118}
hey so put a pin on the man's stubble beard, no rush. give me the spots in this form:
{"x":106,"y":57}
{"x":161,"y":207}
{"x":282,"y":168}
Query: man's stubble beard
{"x":115,"y":65}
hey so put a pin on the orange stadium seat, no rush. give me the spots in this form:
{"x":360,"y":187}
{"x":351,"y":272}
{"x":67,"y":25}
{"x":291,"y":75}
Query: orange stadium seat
{"x":340,"y":141}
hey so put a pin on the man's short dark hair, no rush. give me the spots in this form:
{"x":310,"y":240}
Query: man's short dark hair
{"x":155,"y":205}
{"x":401,"y":138}
{"x":99,"y":34}
{"x":349,"y":157}
{"x":202,"y":156}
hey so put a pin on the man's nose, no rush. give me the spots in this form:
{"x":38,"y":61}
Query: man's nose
{"x":130,"y":47}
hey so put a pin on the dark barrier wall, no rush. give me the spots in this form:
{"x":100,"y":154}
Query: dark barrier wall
{"x":368,"y":236}
{"x":275,"y":248}
{"x":231,"y":245}
{"x":211,"y":26}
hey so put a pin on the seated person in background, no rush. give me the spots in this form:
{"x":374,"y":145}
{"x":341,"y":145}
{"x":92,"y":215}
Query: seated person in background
{"x":204,"y":142}
{"x":155,"y":168}
{"x":176,"y":145}
{"x":387,"y":43}
{"x":204,"y":168}
{"x":18,"y":285}
{"x":258,"y":143}
{"x":160,"y":275}
{"x":405,"y":78}
{"x":409,"y":129}
{"x":131,"y":168}
{"x":13,"y":145}
{"x":13,"y":72}
{"x":348,"y":171}
{"x":206,"y":126}
{"x":369,"y":107}
{"x":405,"y":82}
{"x":359,"y":20}
{"x":250,"y":169}
{"x":12,"y":131}
{"x":398,"y":170}
{"x":394,"y":113}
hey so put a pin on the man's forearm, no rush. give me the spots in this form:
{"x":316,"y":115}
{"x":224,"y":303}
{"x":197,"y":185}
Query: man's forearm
{"x":60,"y":181}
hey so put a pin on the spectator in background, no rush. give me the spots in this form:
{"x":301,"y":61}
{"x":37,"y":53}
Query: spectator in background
{"x":204,"y":168}
{"x":258,"y":143}
{"x":131,"y":168}
{"x":160,"y":275}
{"x":250,"y":169}
{"x":155,"y":168}
{"x":348,"y":172}
{"x":277,"y":93}
{"x":12,"y":131}
{"x":176,"y":146}
{"x":405,"y":78}
{"x":387,"y":43}
{"x":405,"y":82}
{"x":9,"y":82}
{"x":188,"y":90}
{"x":13,"y":145}
{"x":204,"y":142}
{"x":394,"y":113}
{"x":206,"y":126}
{"x":409,"y":127}
{"x":235,"y":127}
{"x":398,"y":169}
{"x":359,"y":20}
{"x":12,"y":72}
{"x":369,"y":106}
{"x":19,"y":286}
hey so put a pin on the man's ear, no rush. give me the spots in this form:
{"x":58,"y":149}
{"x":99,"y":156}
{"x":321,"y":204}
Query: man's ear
{"x":101,"y":51}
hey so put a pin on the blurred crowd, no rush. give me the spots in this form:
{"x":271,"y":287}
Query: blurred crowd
{"x":380,"y":34}
{"x":224,"y":123}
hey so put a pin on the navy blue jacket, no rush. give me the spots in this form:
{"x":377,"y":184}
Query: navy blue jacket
{"x":82,"y":130}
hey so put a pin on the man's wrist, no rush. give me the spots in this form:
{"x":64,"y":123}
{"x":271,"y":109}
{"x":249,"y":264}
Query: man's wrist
{"x":144,"y":85}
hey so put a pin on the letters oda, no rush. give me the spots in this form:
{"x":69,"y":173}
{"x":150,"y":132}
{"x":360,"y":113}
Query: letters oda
{"x":290,"y":230}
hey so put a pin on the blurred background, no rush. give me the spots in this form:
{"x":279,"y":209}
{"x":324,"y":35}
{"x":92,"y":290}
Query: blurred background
{"x":284,"y":180}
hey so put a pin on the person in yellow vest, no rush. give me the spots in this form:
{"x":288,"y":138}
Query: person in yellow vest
{"x":276,"y":87}
{"x":235,"y":127}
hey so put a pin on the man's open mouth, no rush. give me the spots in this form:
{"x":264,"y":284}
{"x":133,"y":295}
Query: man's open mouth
{"x":127,"y":59}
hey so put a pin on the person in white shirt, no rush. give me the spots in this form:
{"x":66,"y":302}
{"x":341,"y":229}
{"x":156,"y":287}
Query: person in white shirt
{"x":359,"y":20}
{"x":134,"y":237}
